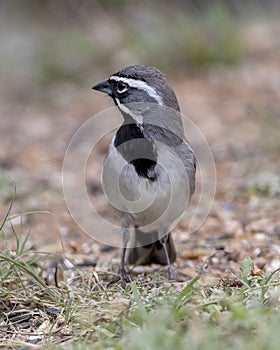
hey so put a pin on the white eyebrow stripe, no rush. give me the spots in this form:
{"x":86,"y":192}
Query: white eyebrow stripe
{"x":139,"y":84}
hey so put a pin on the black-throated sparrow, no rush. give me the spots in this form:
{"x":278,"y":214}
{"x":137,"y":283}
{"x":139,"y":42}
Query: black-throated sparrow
{"x":149,"y":171}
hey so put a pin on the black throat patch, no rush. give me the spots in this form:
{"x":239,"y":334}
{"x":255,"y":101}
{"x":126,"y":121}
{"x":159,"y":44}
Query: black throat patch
{"x":130,"y":150}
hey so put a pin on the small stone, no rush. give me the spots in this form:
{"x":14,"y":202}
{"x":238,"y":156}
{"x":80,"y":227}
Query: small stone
{"x":260,"y":262}
{"x":233,"y":228}
{"x":256,"y":272}
{"x":202,"y":259}
{"x":260,"y":236}
{"x":139,"y":269}
{"x":119,"y":304}
{"x":258,"y":225}
{"x":74,"y":246}
{"x":274,"y":265}
{"x":257,"y":251}
{"x":64,"y":230}
{"x":143,"y":269}
{"x":65,"y":331}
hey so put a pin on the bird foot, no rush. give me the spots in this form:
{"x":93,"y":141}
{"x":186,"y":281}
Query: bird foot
{"x":170,"y":273}
{"x":122,"y":277}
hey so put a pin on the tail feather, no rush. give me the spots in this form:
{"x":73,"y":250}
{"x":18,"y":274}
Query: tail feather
{"x":151,"y":253}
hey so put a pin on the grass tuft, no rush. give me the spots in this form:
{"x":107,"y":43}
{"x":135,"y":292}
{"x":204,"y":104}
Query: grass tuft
{"x":151,"y":313}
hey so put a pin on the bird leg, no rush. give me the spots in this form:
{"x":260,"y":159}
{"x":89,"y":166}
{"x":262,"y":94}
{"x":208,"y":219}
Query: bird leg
{"x":122,"y":276}
{"x":170,"y":272}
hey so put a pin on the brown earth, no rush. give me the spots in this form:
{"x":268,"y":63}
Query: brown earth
{"x":237,"y":110}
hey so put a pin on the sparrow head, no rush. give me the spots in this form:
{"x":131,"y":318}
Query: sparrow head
{"x":139,"y":83}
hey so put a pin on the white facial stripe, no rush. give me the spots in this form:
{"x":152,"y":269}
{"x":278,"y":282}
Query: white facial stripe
{"x":139,"y":84}
{"x":137,"y":117}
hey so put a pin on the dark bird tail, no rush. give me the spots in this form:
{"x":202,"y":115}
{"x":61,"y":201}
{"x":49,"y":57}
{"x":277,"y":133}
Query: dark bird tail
{"x":153,"y":252}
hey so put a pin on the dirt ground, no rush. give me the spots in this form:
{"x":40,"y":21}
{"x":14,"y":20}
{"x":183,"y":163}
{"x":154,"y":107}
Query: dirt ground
{"x":237,"y":110}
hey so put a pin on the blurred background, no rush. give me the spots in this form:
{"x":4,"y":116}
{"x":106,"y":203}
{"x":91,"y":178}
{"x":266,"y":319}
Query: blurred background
{"x":223,"y":60}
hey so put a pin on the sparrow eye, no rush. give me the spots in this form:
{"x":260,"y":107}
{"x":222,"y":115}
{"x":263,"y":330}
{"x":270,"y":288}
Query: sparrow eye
{"x":122,"y":87}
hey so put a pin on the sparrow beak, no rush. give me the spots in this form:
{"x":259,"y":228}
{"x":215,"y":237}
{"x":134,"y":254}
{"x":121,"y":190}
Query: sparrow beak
{"x":103,"y":86}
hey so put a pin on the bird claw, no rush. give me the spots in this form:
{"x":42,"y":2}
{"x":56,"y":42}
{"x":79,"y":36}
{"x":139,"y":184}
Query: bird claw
{"x":170,"y":274}
{"x":122,"y":277}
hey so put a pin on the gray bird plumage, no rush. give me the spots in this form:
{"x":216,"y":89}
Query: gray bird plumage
{"x":155,"y":78}
{"x":156,"y":163}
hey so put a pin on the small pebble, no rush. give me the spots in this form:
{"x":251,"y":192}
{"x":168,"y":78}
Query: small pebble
{"x":256,"y":272}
